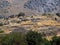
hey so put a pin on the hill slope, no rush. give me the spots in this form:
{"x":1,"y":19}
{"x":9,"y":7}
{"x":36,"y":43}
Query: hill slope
{"x":44,"y":6}
{"x":10,"y":7}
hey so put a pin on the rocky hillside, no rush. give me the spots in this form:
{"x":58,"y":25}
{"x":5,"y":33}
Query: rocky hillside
{"x":3,"y":4}
{"x":44,"y":6}
{"x":3,"y":7}
{"x":10,"y":7}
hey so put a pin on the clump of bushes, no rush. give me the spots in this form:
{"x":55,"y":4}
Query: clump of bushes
{"x":34,"y":38}
{"x":31,"y":38}
{"x":13,"y":39}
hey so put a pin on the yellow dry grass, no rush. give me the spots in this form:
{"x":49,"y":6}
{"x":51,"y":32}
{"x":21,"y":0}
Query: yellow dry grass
{"x":48,"y":22}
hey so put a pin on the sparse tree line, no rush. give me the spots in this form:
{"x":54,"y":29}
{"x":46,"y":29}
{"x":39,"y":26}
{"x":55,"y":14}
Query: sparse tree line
{"x":21,"y":14}
{"x":30,"y":38}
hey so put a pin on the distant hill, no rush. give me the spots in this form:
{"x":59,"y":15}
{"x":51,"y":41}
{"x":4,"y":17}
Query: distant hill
{"x":13,"y":7}
{"x":44,"y":6}
{"x":3,"y":7}
{"x":10,"y":7}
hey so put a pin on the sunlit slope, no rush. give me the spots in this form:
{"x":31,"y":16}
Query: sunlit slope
{"x":41,"y":24}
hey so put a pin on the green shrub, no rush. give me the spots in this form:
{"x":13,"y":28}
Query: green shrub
{"x":1,"y":31}
{"x":14,"y":39}
{"x":1,"y":24}
{"x":21,"y":14}
{"x":34,"y":38}
{"x":58,"y":14}
{"x":55,"y":40}
{"x":31,"y":38}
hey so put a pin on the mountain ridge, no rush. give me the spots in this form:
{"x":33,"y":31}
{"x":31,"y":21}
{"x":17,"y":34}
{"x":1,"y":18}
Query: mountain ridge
{"x":44,"y":6}
{"x":13,"y":7}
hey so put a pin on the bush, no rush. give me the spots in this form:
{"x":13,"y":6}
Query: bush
{"x":58,"y":14}
{"x":14,"y":39}
{"x":34,"y":38}
{"x":21,"y":14}
{"x":11,"y":16}
{"x":1,"y":24}
{"x":1,"y":31}
{"x":46,"y":42}
{"x":55,"y":40}
{"x":31,"y":38}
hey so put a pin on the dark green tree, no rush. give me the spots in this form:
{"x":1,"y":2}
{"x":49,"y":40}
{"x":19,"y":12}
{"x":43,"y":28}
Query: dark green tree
{"x":58,"y":14}
{"x":55,"y":40}
{"x":34,"y":38}
{"x":21,"y":14}
{"x":46,"y":42}
{"x":1,"y":24}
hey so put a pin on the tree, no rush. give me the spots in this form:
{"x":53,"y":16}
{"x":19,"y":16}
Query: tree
{"x":55,"y":40}
{"x":46,"y":42}
{"x":21,"y":14}
{"x":34,"y":38}
{"x":1,"y":24}
{"x":58,"y":14}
